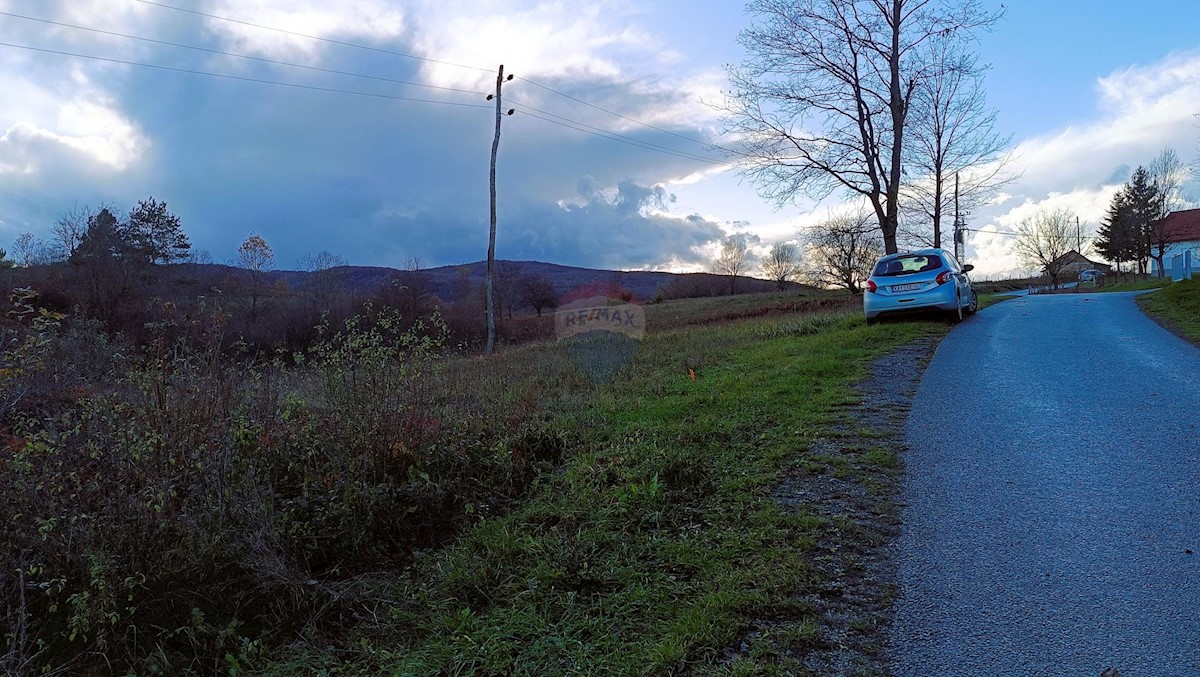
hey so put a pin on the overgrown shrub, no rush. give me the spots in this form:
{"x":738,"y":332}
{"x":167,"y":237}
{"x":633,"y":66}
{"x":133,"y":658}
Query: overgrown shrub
{"x":176,"y":509}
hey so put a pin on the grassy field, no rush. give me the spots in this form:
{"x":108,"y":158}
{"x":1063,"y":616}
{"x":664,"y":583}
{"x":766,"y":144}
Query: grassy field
{"x":688,"y":312}
{"x":656,"y":543}
{"x":380,"y":505}
{"x":1178,"y":307}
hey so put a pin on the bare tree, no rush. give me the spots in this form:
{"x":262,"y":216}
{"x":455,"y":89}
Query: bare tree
{"x":256,"y":258}
{"x":782,"y":264}
{"x":1044,"y":239}
{"x":415,"y":285}
{"x":325,"y":280}
{"x":953,"y":141}
{"x":508,"y":288}
{"x":69,"y":230}
{"x":538,"y":293}
{"x":842,"y":250}
{"x":732,"y":259}
{"x":1167,"y":176}
{"x":199,"y":257}
{"x":28,"y":250}
{"x":822,"y":101}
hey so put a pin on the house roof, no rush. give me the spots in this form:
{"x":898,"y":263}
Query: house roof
{"x":1075,"y":257}
{"x":1182,"y":226}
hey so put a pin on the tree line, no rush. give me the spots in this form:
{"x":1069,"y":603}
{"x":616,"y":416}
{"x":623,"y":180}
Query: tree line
{"x":115,"y":267}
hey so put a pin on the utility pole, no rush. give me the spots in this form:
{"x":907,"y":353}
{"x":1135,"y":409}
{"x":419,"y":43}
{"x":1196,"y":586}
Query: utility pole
{"x":958,"y":224}
{"x":490,"y":346}
{"x":1078,"y":238}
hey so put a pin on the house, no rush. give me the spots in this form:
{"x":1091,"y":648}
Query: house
{"x":1071,"y":264}
{"x":1181,"y":232}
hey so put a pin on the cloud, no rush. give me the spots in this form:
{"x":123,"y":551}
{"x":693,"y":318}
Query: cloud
{"x":369,"y":178}
{"x":625,"y":230}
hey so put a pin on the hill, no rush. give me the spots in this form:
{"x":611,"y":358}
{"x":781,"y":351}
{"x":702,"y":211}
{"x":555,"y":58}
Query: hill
{"x":448,"y":281}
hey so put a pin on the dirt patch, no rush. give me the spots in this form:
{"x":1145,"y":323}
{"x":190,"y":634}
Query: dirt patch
{"x":850,"y":480}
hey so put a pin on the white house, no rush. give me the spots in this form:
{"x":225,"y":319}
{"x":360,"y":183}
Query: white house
{"x":1182,"y":253}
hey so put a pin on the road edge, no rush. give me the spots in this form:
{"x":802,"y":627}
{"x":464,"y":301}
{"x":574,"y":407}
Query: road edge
{"x":861,"y":512}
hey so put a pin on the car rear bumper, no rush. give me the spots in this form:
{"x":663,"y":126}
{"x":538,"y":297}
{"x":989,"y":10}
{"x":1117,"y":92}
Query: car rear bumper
{"x":943,"y":297}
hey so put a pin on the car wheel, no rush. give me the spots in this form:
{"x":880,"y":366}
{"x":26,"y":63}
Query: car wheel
{"x":956,"y":315}
{"x":973,"y":306}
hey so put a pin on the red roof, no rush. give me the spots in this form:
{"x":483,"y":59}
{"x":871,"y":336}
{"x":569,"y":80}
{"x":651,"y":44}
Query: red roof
{"x":1182,"y":226}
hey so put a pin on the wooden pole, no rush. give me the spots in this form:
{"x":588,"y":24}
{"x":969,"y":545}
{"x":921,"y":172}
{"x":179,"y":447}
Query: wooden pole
{"x":958,"y":238}
{"x":490,"y":346}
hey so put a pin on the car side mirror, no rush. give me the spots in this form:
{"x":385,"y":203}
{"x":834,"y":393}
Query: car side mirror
{"x":968,"y":268}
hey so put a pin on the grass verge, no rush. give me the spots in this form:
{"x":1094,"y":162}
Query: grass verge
{"x":1134,"y":285}
{"x":989,"y":299}
{"x":1177,"y":306}
{"x":657,"y":543}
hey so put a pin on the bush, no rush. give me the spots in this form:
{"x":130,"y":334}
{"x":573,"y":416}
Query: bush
{"x":180,"y":510}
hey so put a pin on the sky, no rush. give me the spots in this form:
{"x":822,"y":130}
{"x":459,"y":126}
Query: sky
{"x":1087,"y":90}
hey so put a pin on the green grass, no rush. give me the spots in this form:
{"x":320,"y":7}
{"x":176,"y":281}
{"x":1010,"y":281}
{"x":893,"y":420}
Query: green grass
{"x":1177,"y":306}
{"x":707,"y":310}
{"x":656,"y":545}
{"x":986,"y":300}
{"x":1135,"y":285}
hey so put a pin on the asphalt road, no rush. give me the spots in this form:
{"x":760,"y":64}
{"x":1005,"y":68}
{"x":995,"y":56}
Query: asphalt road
{"x":1052,"y":496}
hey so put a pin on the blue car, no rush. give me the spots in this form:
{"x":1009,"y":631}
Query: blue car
{"x":922,"y":280}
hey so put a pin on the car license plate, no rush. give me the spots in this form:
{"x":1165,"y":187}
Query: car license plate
{"x":906,"y":287}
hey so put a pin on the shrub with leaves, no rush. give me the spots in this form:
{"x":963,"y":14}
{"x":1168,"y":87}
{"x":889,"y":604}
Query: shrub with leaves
{"x":177,"y":509}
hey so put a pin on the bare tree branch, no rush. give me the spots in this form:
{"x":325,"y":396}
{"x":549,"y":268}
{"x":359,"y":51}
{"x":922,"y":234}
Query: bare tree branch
{"x":822,"y":102}
{"x":842,"y":250}
{"x":1044,"y":239}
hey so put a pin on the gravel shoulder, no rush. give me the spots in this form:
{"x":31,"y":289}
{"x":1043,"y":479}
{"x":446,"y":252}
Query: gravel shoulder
{"x":856,"y":502}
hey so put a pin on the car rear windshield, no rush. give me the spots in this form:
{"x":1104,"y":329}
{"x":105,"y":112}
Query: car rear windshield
{"x":907,"y":264}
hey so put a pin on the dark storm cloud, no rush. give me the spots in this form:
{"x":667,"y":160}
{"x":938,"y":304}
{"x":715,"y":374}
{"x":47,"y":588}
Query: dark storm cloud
{"x":374,"y":180}
{"x":603,"y":232}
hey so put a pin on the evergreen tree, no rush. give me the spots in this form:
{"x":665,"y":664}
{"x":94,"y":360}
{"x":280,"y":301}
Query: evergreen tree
{"x":1144,"y":213}
{"x":105,"y":239}
{"x":156,"y":230}
{"x":1118,"y":237}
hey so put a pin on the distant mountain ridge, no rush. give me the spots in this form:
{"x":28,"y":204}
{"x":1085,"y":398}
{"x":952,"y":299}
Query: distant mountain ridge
{"x":445,"y":281}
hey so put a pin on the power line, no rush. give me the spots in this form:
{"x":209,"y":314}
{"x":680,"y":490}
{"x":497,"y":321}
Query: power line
{"x":241,"y":78}
{"x":406,"y":55}
{"x":612,"y":137}
{"x":610,"y":112}
{"x":644,"y":144}
{"x":421,"y":58}
{"x":312,"y":37}
{"x":1009,"y":233}
{"x":238,"y":56}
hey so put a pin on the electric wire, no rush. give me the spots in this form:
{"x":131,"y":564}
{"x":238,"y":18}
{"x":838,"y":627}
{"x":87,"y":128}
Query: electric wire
{"x":432,"y":60}
{"x":528,"y":110}
{"x":242,"y":78}
{"x":611,"y":112}
{"x":648,"y":144}
{"x":238,"y":56}
{"x":312,"y":37}
{"x":1007,"y":233}
{"x":627,"y":141}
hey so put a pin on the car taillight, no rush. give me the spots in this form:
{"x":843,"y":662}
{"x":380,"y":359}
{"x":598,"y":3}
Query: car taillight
{"x":872,"y":287}
{"x":944,"y":277}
